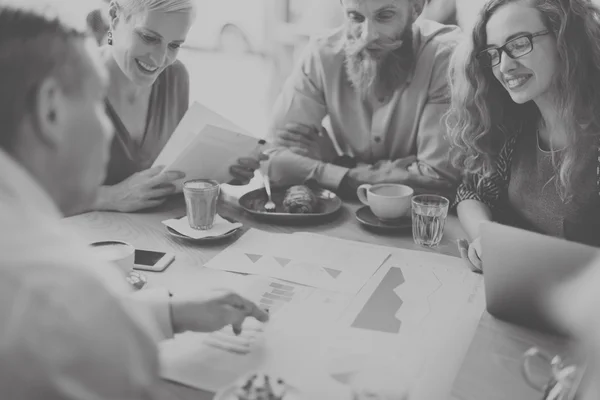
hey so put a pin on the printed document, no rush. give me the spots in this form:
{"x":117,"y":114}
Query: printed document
{"x":205,"y":145}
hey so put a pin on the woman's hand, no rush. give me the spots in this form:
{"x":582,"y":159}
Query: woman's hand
{"x":243,"y":171}
{"x":141,"y":190}
{"x":472,"y":253}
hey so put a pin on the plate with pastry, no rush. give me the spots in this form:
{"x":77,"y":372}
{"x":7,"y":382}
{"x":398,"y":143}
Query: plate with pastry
{"x":259,"y":386}
{"x":297,"y":203}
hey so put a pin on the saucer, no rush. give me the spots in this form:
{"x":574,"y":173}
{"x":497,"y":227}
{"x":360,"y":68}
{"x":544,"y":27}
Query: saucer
{"x":207,"y":239}
{"x":365,"y":216}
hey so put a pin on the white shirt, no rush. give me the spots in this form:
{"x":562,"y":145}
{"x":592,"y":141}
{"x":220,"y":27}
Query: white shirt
{"x":68,"y":327}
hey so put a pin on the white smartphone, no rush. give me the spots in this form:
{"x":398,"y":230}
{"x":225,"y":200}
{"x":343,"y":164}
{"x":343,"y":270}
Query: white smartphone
{"x":155,"y":261}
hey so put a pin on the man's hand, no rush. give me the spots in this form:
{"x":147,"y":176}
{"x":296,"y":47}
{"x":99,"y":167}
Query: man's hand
{"x":212,"y":311}
{"x":397,"y":172}
{"x":307,"y":141}
{"x":243,"y":170}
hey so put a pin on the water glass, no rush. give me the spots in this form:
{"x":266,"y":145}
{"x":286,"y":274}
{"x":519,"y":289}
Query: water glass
{"x":564,"y":380}
{"x":429,"y":214}
{"x":201,"y":197}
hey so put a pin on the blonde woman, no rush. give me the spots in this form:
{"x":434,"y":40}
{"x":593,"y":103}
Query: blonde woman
{"x":147,"y":97}
{"x":524,"y":119}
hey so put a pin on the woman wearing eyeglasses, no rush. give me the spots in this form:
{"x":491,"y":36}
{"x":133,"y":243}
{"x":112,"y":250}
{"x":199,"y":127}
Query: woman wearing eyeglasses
{"x":525,"y":120}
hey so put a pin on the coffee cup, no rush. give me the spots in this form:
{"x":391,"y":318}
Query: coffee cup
{"x":121,"y":254}
{"x":387,"y":201}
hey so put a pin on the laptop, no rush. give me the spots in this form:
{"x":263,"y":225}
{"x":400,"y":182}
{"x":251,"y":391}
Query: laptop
{"x":519,"y":269}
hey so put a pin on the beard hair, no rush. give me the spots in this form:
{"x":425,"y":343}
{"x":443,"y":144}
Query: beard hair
{"x":367,"y":72}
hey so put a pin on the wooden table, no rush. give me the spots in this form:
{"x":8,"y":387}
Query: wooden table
{"x":490,"y":367}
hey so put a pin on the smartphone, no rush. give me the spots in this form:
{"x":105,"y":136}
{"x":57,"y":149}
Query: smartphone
{"x":155,"y":261}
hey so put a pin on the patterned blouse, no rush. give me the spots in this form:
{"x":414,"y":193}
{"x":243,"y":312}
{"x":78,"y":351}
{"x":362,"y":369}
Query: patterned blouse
{"x":489,"y":189}
{"x":522,"y":204}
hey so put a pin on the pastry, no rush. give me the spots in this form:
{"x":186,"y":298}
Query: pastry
{"x":300,"y":200}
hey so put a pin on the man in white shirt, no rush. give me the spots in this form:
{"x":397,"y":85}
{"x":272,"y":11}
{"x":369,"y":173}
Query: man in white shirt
{"x":381,"y":79}
{"x":69,"y":328}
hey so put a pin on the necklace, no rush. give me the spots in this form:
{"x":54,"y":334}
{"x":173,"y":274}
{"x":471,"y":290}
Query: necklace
{"x":551,"y":149}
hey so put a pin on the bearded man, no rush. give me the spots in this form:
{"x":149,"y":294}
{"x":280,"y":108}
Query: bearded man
{"x":379,"y":83}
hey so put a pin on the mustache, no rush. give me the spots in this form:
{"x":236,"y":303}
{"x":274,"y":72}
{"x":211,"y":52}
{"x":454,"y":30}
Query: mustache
{"x":356,"y":47}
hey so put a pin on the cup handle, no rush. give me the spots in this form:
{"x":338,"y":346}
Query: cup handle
{"x":526,"y":367}
{"x":361,"y":192}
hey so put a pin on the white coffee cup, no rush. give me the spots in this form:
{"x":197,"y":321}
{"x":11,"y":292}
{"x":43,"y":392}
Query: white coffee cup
{"x":387,"y":200}
{"x":122,"y":254}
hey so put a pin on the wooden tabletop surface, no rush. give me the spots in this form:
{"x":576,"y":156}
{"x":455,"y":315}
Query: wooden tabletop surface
{"x":491,"y":370}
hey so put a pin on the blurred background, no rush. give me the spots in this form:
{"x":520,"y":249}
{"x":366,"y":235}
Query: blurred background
{"x":239,"y":52}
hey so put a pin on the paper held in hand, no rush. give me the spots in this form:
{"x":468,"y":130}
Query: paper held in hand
{"x":205,"y":145}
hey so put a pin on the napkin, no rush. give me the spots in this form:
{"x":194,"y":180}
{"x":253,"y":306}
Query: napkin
{"x":220,"y":227}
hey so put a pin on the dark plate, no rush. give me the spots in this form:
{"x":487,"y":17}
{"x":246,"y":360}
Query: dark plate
{"x":254,"y":203}
{"x":365,"y":216}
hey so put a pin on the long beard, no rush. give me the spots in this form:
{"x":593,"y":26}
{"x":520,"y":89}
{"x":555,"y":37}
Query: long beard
{"x":383,"y":69}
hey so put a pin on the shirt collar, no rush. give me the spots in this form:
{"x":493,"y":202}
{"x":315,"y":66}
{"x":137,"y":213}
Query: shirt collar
{"x":18,"y":186}
{"x":409,"y":54}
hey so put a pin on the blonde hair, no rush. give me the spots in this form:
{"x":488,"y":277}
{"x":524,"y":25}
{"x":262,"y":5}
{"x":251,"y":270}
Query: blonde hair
{"x":133,"y":7}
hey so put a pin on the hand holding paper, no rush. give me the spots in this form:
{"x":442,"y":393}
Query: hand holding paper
{"x":207,"y":145}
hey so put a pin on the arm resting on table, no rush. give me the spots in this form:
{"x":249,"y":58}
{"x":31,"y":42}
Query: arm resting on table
{"x":471,"y":214}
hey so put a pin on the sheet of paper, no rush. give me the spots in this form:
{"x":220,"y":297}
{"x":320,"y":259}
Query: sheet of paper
{"x":315,"y":260}
{"x":196,"y":118}
{"x":204,"y":145}
{"x":411,"y":324}
{"x":213,"y":361}
{"x":423,"y":310}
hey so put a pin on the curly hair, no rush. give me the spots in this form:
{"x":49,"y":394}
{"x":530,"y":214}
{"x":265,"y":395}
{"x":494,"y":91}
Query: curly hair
{"x":482,"y":115}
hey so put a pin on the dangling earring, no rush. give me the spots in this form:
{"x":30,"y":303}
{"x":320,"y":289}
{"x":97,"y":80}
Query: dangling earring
{"x":110,"y":41}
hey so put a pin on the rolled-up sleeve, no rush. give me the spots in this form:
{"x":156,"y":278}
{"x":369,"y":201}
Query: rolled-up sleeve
{"x":433,"y":145}
{"x":289,"y":168}
{"x":302,"y":101}
{"x":157,"y":301}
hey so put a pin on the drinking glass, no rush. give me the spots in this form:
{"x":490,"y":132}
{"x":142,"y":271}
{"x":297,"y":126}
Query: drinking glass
{"x":201,"y":197}
{"x":564,"y":379}
{"x":429,"y":214}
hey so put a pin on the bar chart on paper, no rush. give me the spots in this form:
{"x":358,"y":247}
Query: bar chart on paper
{"x":276,"y":296}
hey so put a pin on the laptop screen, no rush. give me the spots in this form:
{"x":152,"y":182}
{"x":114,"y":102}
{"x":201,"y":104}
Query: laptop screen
{"x":520,"y":269}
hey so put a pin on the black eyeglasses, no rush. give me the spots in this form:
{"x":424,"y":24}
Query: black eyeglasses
{"x":514,"y":48}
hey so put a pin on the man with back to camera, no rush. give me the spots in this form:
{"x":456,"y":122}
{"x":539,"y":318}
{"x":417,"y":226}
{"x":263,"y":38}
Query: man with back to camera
{"x":68,"y":328}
